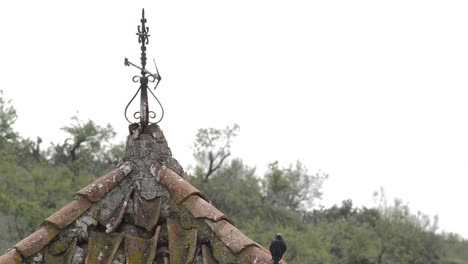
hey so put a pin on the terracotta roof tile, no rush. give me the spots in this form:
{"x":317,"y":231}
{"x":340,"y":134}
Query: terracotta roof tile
{"x":128,"y":230}
{"x":200,"y":208}
{"x":177,"y":186}
{"x":102,"y":247}
{"x":182,"y":242}
{"x":141,"y":250}
{"x":36,"y":241}
{"x":230,"y":235}
{"x":100,"y":187}
{"x":109,"y":206}
{"x":146,"y":212}
{"x":65,"y":258}
{"x":257,"y":255}
{"x":116,"y":217}
{"x":11,"y":257}
{"x":69,"y":213}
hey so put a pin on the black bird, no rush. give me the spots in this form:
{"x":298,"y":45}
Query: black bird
{"x":277,"y":248}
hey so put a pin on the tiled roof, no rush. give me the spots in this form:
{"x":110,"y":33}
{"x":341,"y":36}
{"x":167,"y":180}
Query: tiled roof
{"x":142,"y":212}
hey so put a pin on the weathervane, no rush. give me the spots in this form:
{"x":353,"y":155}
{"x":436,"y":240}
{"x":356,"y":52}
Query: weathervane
{"x":144,"y":115}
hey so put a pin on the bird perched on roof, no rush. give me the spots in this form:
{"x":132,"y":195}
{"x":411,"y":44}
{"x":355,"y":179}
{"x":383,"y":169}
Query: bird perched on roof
{"x":277,"y":248}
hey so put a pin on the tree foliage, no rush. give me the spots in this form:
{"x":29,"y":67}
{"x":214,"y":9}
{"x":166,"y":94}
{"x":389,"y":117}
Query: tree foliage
{"x":7,"y":119}
{"x":284,"y":200}
{"x":36,"y":182}
{"x":292,"y":187}
{"x":86,"y":147}
{"x":212,"y":147}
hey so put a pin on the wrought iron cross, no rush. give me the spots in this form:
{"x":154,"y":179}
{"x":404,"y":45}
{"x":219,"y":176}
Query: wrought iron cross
{"x":144,"y":115}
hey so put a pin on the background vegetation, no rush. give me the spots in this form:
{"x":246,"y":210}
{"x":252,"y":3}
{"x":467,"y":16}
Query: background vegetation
{"x":36,"y":181}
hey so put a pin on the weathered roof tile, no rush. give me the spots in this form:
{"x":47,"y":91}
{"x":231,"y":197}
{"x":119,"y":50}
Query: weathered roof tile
{"x":100,"y":187}
{"x":182,"y":242}
{"x":177,"y":186}
{"x":64,"y":258}
{"x":36,"y":241}
{"x":114,"y":220}
{"x":141,"y":250}
{"x":109,"y":206}
{"x":146,"y":212}
{"x":200,"y":208}
{"x":257,"y":255}
{"x":102,"y":247}
{"x":69,"y":213}
{"x":128,"y":230}
{"x":11,"y":257}
{"x":230,"y":235}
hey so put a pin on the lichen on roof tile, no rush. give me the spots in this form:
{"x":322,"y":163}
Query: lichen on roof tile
{"x":230,"y":235}
{"x":200,"y":208}
{"x":223,"y":254}
{"x":126,"y":167}
{"x":100,"y":187}
{"x":146,"y":212}
{"x":182,"y":242}
{"x":111,"y":207}
{"x":81,"y":227}
{"x":116,"y":217}
{"x":69,"y":213}
{"x":102,"y":247}
{"x":177,"y":186}
{"x":62,"y":258}
{"x":257,"y":255}
{"x":141,"y":250}
{"x":36,"y":241}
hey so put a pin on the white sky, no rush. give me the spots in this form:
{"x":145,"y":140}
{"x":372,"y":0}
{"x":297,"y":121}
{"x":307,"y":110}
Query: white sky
{"x":374,"y":93}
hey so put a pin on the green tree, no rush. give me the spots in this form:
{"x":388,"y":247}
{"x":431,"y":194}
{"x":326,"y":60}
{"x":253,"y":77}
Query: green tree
{"x":455,"y":249}
{"x":87,"y":149}
{"x":293,"y":187}
{"x":212,"y":147}
{"x":404,"y":237}
{"x":8,"y":136}
{"x":28,"y":197}
{"x":8,"y":117}
{"x":33,"y":183}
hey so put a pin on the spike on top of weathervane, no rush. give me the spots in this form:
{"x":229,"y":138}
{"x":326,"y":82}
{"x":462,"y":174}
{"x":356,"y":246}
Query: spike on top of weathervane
{"x":143,"y":38}
{"x":144,"y":115}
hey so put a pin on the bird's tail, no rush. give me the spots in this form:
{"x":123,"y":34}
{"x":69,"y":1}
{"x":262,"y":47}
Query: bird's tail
{"x":276,"y":261}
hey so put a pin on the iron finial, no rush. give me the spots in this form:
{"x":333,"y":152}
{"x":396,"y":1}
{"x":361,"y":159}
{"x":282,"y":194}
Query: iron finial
{"x":143,"y":38}
{"x":144,"y":115}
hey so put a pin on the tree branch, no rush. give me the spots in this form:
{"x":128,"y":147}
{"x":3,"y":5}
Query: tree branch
{"x":210,"y":167}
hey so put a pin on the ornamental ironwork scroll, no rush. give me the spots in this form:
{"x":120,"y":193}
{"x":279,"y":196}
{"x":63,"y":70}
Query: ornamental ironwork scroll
{"x":144,"y":115}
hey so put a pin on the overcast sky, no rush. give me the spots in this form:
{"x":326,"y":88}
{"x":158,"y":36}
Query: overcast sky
{"x":373,"y":93}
